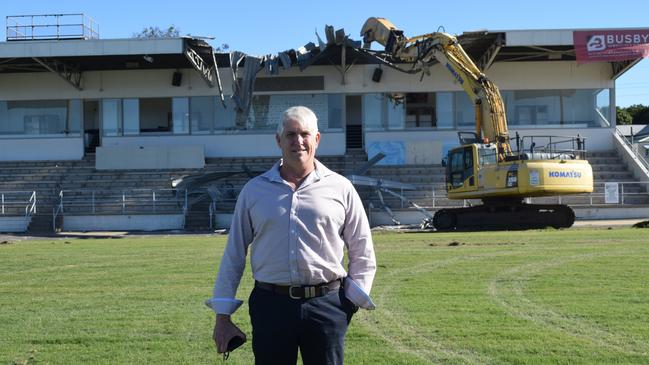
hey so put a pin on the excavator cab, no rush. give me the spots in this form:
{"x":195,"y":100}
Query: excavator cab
{"x":461,"y":168}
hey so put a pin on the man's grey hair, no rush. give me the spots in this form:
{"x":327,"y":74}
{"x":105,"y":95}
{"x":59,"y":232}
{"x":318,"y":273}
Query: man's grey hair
{"x":301,"y":114}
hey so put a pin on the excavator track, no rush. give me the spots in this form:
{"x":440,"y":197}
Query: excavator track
{"x":504,"y":216}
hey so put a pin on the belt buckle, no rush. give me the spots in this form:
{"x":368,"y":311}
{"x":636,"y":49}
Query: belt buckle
{"x":290,"y":292}
{"x":308,"y":291}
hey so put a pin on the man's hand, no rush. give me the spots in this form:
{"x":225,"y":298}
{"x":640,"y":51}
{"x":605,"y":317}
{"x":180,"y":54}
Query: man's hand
{"x":224,"y":330}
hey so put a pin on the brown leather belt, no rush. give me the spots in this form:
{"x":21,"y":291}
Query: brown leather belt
{"x":300,"y":292}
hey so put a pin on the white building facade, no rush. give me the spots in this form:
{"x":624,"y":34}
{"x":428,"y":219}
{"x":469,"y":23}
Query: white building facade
{"x":139,"y":102}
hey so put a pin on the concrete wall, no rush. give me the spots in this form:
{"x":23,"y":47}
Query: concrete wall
{"x":430,"y":146}
{"x":144,"y":222}
{"x":41,"y":149}
{"x":14,"y":224}
{"x":230,"y":145}
{"x":91,"y":47}
{"x":149,"y":157}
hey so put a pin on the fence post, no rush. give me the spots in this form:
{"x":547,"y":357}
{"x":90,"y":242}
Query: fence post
{"x":622,"y":191}
{"x":434,"y":197}
{"x":123,"y":202}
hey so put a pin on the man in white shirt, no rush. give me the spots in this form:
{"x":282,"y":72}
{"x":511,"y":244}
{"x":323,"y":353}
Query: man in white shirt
{"x":297,"y":219}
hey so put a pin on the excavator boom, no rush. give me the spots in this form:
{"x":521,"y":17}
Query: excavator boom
{"x":490,"y":120}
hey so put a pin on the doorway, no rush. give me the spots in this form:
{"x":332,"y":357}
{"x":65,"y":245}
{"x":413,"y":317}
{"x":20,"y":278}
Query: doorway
{"x":354,"y":125}
{"x":91,"y":125}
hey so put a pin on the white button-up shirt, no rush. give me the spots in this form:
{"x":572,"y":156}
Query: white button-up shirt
{"x":296,"y":237}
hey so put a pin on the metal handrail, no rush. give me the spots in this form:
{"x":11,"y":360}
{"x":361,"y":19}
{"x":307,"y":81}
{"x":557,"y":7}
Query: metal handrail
{"x":211,"y":212}
{"x":30,"y":209}
{"x":438,"y":197}
{"x":93,"y":201}
{"x":629,"y":144}
{"x":82,"y":26}
{"x":552,"y":144}
{"x":58,"y":209}
{"x":10,"y":200}
{"x":185,"y":209}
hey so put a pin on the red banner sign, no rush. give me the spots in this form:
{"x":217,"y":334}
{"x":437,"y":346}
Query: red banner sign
{"x":610,"y":45}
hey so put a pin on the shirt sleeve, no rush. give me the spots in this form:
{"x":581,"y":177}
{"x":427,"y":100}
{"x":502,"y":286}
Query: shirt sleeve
{"x":358,"y":238}
{"x":233,"y":262}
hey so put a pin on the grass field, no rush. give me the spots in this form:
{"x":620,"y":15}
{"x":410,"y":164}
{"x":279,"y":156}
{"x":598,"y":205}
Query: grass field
{"x":577,"y":296}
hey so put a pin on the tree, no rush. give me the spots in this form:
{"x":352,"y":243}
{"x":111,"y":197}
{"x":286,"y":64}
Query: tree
{"x":171,"y":32}
{"x":623,"y":116}
{"x":640,"y":113}
{"x":156,"y":32}
{"x":222,"y":48}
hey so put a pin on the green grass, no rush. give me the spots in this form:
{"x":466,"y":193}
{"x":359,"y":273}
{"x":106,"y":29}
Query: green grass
{"x":577,"y":296}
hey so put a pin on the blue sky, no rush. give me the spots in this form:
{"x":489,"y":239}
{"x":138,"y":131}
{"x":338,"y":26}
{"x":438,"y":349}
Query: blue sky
{"x":263,"y":27}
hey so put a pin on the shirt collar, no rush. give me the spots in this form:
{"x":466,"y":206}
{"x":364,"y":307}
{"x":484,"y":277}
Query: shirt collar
{"x":317,"y":174}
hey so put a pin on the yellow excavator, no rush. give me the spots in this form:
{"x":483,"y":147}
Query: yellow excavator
{"x":485,"y":166}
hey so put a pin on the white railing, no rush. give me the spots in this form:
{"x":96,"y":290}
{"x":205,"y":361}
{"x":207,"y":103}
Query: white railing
{"x":622,"y":194}
{"x":50,"y":26}
{"x":185,"y":206}
{"x":211,"y":212}
{"x":57,"y":210}
{"x":634,"y":149}
{"x":17,"y":203}
{"x":30,"y":209}
{"x":133,"y":201}
{"x":627,"y":192}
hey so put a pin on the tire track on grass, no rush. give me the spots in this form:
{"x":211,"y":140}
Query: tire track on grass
{"x":393,"y":326}
{"x":508,"y":290}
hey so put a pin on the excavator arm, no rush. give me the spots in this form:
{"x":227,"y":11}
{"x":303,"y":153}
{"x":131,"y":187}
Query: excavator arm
{"x":490,"y":120}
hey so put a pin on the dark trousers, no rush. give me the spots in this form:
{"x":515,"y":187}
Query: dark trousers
{"x":281,"y":325}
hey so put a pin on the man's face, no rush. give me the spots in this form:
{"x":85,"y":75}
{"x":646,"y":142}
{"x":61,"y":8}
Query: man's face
{"x":298,"y":144}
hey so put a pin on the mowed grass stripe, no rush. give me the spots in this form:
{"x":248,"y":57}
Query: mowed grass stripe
{"x":508,"y":289}
{"x":392,"y":323}
{"x":575,"y":296}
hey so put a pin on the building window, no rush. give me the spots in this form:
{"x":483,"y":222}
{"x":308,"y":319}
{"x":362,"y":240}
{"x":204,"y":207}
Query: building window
{"x":40,"y":118}
{"x":111,"y":117}
{"x":201,"y":114}
{"x":143,"y":116}
{"x":578,"y":108}
{"x":603,"y":110}
{"x":265,"y":112}
{"x":131,"y":110}
{"x":383,"y":111}
{"x":444,"y":109}
{"x":155,"y":115}
{"x":420,"y":110}
{"x":525,"y":108}
{"x":464,"y":111}
{"x":180,"y":115}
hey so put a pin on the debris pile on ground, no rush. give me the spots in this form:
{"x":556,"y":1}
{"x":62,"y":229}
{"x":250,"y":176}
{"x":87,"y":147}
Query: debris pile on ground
{"x":643,"y":224}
